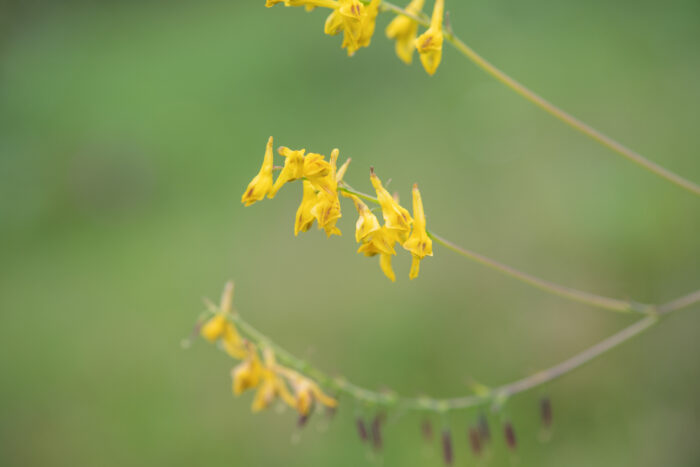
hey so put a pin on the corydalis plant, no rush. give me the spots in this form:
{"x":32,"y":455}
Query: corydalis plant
{"x":277,"y":375}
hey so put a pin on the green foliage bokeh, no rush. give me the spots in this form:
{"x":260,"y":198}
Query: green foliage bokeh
{"x":128,"y":131}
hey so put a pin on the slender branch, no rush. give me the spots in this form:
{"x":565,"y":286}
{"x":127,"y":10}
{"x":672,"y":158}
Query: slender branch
{"x":599,"y":301}
{"x":497,"y":395}
{"x":552,"y":109}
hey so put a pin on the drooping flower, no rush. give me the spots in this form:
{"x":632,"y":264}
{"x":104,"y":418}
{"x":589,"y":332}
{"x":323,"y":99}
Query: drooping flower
{"x":404,"y":30}
{"x":369,"y":22}
{"x":247,"y":374}
{"x":315,"y":169}
{"x":429,"y":44}
{"x":355,"y":20}
{"x":395,"y":216}
{"x":304,"y":218}
{"x":327,"y":207}
{"x":381,"y":243}
{"x":374,"y":239}
{"x":262,"y":182}
{"x":271,"y":386}
{"x":367,"y":224}
{"x":306,"y":393}
{"x":419,"y":243}
{"x":220,"y":327}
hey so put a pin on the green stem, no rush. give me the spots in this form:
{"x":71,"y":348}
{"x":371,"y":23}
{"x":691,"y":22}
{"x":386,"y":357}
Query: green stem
{"x":496,"y":395}
{"x":552,"y":109}
{"x":599,"y":301}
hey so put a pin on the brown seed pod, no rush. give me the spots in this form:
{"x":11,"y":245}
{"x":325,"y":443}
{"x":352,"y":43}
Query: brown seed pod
{"x":546,"y":412}
{"x":509,"y":434}
{"x":475,"y":441}
{"x":361,"y":429}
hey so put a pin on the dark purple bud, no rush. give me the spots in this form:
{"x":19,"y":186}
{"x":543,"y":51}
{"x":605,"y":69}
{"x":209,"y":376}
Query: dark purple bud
{"x":447,"y":454}
{"x":509,"y":434}
{"x":427,"y":430}
{"x":377,"y":431}
{"x":475,"y":441}
{"x":484,"y":430}
{"x":361,"y":429}
{"x":546,"y":412}
{"x":303,"y":419}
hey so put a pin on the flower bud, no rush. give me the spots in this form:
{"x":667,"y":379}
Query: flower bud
{"x":475,"y":441}
{"x":447,"y":454}
{"x":361,"y":429}
{"x":483,"y":428}
{"x":377,"y":431}
{"x":427,"y":430}
{"x":546,"y":412}
{"x":509,"y":434}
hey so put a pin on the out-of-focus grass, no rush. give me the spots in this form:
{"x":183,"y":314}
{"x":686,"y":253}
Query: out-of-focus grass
{"x":129,"y":130}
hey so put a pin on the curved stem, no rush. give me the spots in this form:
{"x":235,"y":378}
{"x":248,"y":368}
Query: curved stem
{"x":496,"y":395}
{"x":599,"y":301}
{"x":552,"y":109}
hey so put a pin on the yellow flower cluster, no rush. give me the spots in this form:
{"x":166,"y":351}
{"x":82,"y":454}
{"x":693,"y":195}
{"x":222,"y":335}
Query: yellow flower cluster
{"x":270,"y":379}
{"x":351,"y":17}
{"x":357,"y":21}
{"x":320,"y":202}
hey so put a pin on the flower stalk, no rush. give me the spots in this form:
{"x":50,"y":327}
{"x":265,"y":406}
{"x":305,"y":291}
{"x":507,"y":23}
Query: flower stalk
{"x":547,"y":106}
{"x":496,"y":396}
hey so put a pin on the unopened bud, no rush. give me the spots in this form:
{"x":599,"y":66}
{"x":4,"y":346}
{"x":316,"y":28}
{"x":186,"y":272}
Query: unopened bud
{"x":303,"y":419}
{"x":475,"y":441}
{"x":546,"y":412}
{"x":509,"y":434}
{"x":427,"y":430}
{"x":447,"y":454}
{"x":377,"y":431}
{"x":361,"y":429}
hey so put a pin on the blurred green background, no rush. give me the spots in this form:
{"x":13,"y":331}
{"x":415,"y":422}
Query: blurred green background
{"x":129,"y":130}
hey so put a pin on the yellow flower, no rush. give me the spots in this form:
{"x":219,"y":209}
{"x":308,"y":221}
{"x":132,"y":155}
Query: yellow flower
{"x":219,"y":327}
{"x":369,"y":22}
{"x":306,"y":392}
{"x":315,"y":168}
{"x":247,"y":374}
{"x":327,"y":207}
{"x":395,"y":216}
{"x":304,"y":218}
{"x":429,"y":44}
{"x":272,"y":385}
{"x":355,"y":20}
{"x":262,"y":183}
{"x":419,"y":243}
{"x":293,"y":169}
{"x":308,"y":4}
{"x":320,"y":199}
{"x":367,"y":224}
{"x":381,"y":243}
{"x":404,"y":30}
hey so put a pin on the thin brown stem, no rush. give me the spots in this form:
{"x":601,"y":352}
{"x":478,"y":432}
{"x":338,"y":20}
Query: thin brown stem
{"x":552,"y":109}
{"x":497,"y":395}
{"x":599,"y":301}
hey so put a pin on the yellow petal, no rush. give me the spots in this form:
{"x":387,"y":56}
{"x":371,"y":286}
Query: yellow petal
{"x":304,"y":217}
{"x":429,"y":44}
{"x":214,"y":328}
{"x":385,"y":264}
{"x":262,"y":182}
{"x":395,"y":216}
{"x":293,"y":169}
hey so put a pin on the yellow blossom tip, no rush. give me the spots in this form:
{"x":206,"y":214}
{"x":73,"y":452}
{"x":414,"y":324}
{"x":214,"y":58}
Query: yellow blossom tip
{"x":226,"y":302}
